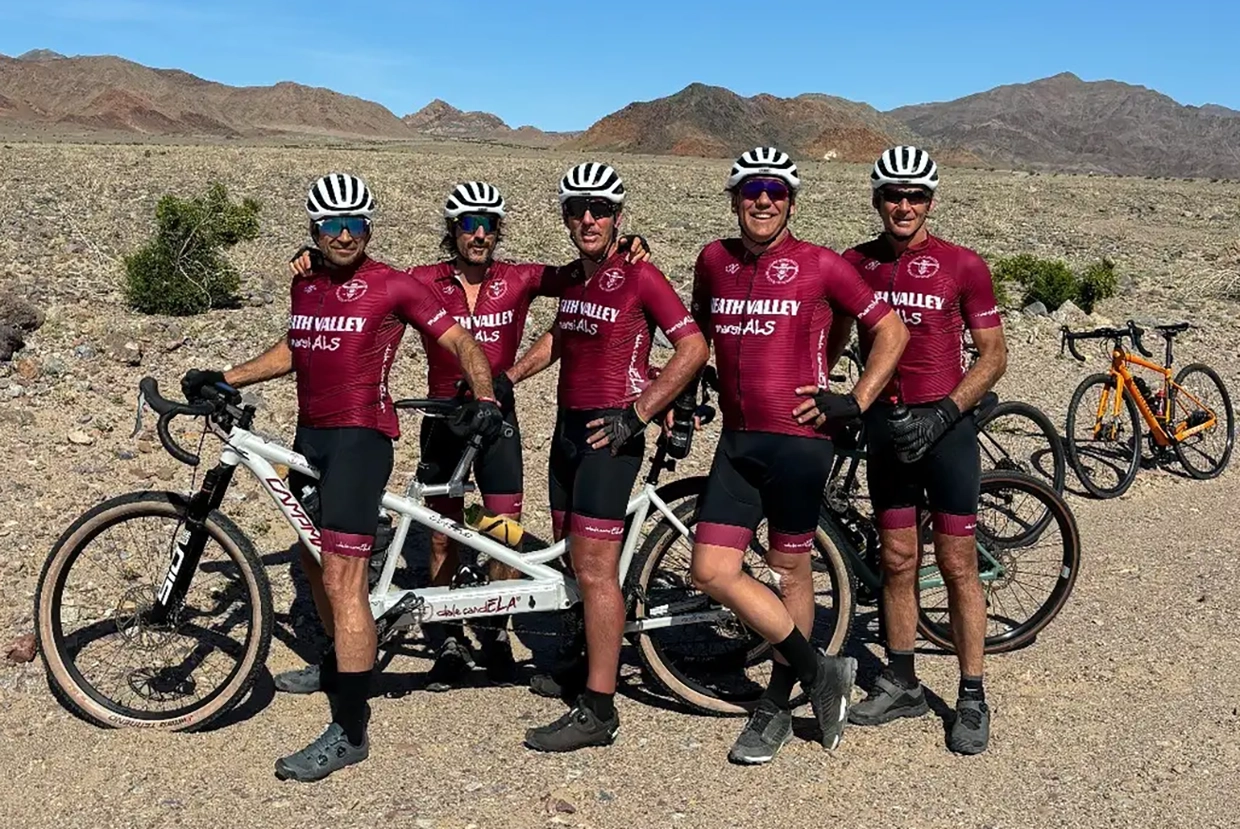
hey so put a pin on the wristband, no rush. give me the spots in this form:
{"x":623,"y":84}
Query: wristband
{"x":487,"y":400}
{"x":638,"y":414}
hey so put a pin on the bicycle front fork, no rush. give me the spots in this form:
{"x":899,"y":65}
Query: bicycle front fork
{"x":189,"y":544}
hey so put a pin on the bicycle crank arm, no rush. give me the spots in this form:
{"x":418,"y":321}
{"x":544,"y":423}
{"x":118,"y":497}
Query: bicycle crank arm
{"x":387,"y":625}
{"x":705,"y":616}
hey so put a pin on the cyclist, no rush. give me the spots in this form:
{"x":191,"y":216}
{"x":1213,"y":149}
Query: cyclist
{"x":491,"y":299}
{"x":939,"y":289}
{"x":348,"y":316}
{"x":602,"y":334}
{"x":767,"y":300}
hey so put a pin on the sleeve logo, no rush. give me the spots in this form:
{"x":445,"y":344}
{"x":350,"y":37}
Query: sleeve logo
{"x":923,"y":267}
{"x":782,"y":271}
{"x":353,"y":289}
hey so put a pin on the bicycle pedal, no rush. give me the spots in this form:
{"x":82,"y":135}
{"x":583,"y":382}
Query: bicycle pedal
{"x":385,"y":625}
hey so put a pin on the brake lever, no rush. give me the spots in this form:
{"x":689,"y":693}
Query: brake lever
{"x":137,"y":424}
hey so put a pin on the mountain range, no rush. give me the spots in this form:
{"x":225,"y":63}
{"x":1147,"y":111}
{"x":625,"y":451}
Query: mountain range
{"x":1056,"y":123}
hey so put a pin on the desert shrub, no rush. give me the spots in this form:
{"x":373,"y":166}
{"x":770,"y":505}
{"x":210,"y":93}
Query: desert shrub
{"x":1097,"y":282}
{"x":1049,"y":281}
{"x":182,"y":270}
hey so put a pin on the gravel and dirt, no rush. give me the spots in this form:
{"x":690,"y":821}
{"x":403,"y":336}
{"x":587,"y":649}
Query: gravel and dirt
{"x":1124,"y":713}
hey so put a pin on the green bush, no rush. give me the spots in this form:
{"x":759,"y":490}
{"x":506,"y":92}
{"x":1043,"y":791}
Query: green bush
{"x":1098,"y":281}
{"x":182,"y":271}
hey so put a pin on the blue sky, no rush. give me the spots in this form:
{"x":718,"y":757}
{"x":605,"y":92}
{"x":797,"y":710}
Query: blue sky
{"x":562,"y":66}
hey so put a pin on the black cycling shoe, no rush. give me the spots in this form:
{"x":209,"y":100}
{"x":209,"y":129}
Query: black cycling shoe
{"x":889,"y":699}
{"x":829,"y":696}
{"x":299,"y":681}
{"x":452,"y":663}
{"x":500,"y":664}
{"x":769,"y":727}
{"x":970,"y":732}
{"x":330,"y":752}
{"x":579,"y":727}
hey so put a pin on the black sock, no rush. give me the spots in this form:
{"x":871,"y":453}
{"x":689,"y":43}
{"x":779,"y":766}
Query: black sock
{"x":353,"y":690}
{"x":328,"y":671}
{"x":971,"y":688}
{"x":901,"y":664}
{"x":779,"y":691}
{"x":801,"y":656}
{"x":603,"y":705}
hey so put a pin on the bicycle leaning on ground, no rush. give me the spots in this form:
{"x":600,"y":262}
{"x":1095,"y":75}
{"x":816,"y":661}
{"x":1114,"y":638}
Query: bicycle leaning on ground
{"x":1190,"y":416}
{"x":176,"y":641}
{"x":1028,"y":549}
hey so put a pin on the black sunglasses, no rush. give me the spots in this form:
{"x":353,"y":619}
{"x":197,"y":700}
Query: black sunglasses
{"x":470,"y":222}
{"x":599,"y":208}
{"x":912,"y":196}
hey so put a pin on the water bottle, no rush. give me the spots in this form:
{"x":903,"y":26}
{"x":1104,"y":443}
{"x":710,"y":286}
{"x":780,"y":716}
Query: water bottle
{"x":898,"y":417}
{"x":502,"y":529}
{"x":680,"y":437}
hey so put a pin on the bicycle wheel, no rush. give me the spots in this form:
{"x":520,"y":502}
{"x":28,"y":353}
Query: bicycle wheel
{"x":721,"y":667}
{"x":1018,"y":436}
{"x":1027,"y":576}
{"x":1104,"y":444}
{"x":118,"y":669}
{"x":1198,"y":397}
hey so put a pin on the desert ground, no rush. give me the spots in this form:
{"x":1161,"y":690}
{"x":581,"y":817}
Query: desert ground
{"x":1124,"y":713}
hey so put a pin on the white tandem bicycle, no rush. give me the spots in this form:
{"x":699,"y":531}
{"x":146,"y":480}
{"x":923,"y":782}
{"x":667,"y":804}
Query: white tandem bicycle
{"x":176,"y":628}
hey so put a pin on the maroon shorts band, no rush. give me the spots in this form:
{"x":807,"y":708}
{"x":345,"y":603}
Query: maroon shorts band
{"x":791,"y":542}
{"x":899,"y":518}
{"x":504,"y":504}
{"x":604,"y":529}
{"x":723,"y":535}
{"x":958,"y":525}
{"x":347,"y":544}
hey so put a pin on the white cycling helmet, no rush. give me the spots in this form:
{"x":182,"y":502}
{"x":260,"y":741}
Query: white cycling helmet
{"x":905,"y":165}
{"x":473,"y":197}
{"x":592,"y":180}
{"x":764,"y":161}
{"x":339,"y":194}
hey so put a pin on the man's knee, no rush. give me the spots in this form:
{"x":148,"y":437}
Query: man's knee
{"x":344,"y":577}
{"x":792,"y":568}
{"x":899,"y":551}
{"x":714,"y":567}
{"x":957,"y":557}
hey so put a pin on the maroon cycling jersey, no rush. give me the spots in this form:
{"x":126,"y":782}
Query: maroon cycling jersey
{"x":605,"y":325}
{"x":344,"y":332}
{"x":768,"y":317}
{"x":498,"y":319}
{"x":938,"y":288}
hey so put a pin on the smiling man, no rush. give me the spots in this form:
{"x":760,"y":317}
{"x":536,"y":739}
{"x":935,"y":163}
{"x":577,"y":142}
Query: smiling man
{"x":939,"y":289}
{"x":602,"y":333}
{"x":766,"y":300}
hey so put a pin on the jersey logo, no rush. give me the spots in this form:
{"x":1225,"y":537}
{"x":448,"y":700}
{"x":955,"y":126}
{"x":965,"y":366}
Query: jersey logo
{"x":733,"y":267}
{"x":353,"y":289}
{"x":611,"y":279}
{"x":782,"y":271}
{"x":497,"y":288}
{"x":923,"y":267}
{"x":310,"y":288}
{"x":872,"y":265}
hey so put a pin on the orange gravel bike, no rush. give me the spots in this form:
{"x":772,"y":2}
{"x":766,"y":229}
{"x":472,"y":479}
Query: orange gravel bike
{"x":1189,"y":417}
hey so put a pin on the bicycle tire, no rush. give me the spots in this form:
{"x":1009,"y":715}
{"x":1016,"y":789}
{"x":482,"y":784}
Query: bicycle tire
{"x":64,"y":678}
{"x":675,"y":679}
{"x":1074,"y":452}
{"x":1181,"y":449}
{"x":1061,"y":514}
{"x":1043,"y":426}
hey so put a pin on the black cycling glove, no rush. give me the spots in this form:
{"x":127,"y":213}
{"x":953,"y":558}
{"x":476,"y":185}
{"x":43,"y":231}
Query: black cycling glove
{"x":913,"y":438}
{"x":316,"y":256}
{"x":197,"y":379}
{"x":621,"y":427}
{"x":504,"y":393}
{"x":481,"y":416}
{"x":837,"y":408}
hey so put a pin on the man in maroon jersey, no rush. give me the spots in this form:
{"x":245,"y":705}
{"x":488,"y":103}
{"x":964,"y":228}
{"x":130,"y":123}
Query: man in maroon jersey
{"x":602,"y":333}
{"x":346,"y":323}
{"x":766,"y":301}
{"x":939,"y":289}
